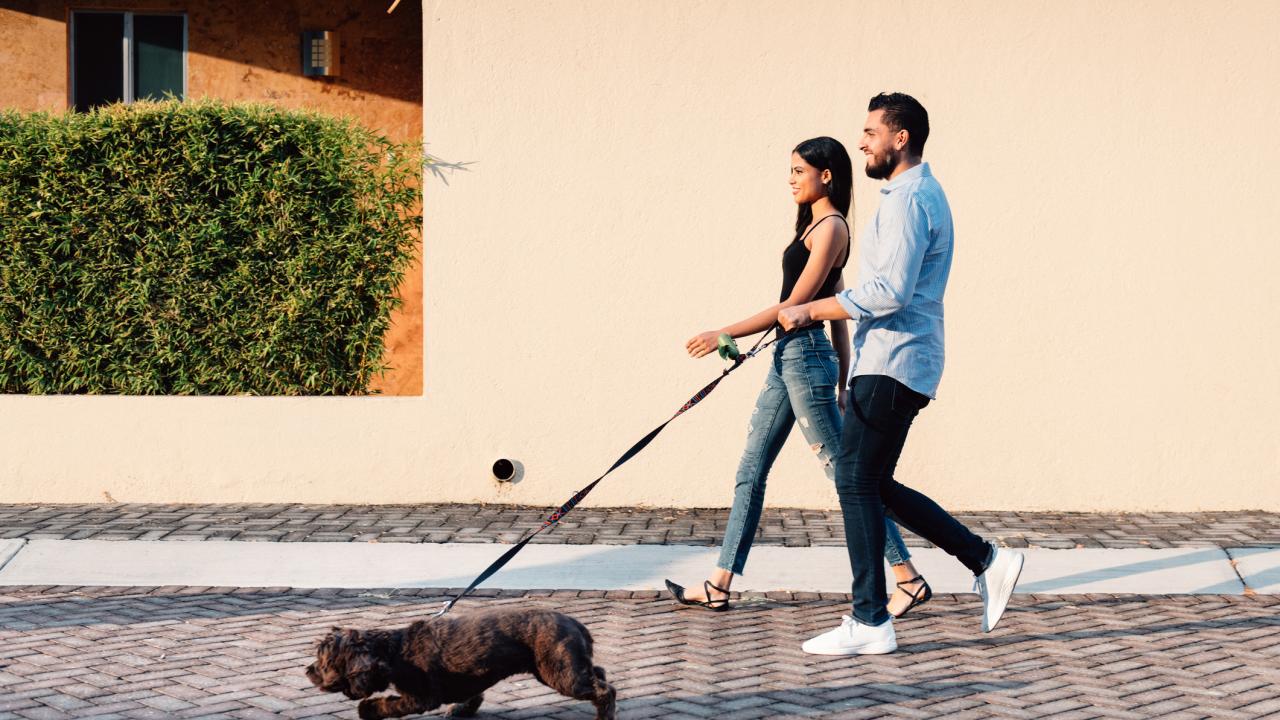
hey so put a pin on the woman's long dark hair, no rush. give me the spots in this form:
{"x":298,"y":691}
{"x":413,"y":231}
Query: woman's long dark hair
{"x":826,"y":153}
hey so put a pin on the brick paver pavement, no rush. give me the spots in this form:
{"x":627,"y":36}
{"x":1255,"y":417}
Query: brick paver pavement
{"x":590,"y":525}
{"x":228,"y":653}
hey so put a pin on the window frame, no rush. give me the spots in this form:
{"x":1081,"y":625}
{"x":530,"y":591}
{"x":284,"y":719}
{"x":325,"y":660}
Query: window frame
{"x":126,"y":49}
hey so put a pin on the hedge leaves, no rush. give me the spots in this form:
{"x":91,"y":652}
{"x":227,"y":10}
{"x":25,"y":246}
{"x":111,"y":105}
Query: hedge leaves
{"x":199,"y":249}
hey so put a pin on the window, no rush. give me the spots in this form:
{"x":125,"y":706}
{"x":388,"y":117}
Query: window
{"x":124,"y":56}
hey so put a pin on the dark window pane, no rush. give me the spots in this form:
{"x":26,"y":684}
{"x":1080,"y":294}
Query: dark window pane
{"x":157,"y":56}
{"x":99,"y":59}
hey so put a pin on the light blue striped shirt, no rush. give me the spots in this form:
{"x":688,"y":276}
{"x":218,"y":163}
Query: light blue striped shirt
{"x":903,"y":264}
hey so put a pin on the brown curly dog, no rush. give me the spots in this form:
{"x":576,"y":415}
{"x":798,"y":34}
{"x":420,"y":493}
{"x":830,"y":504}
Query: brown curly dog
{"x":454,"y":660}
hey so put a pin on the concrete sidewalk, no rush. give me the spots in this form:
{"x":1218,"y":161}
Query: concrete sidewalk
{"x":445,"y":546}
{"x":1213,"y":571}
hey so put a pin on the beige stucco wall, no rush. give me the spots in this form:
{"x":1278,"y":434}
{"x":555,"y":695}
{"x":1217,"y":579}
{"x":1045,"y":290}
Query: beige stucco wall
{"x":1113,"y":317}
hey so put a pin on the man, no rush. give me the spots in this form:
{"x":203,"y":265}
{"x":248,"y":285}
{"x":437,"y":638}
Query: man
{"x":896,"y":303}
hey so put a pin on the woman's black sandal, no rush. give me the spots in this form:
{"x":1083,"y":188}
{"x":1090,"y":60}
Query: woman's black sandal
{"x":677,"y":591}
{"x":919,"y":597}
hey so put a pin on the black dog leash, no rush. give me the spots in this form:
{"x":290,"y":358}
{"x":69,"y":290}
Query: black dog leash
{"x":632,"y":452}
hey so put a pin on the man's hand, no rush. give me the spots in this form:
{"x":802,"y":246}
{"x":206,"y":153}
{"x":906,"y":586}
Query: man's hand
{"x":793,"y":317}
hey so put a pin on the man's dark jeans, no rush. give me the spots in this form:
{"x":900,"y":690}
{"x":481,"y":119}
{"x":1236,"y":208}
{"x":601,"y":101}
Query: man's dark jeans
{"x":876,"y":422}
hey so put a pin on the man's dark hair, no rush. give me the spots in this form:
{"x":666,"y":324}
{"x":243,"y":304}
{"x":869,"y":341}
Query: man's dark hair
{"x":903,"y":112}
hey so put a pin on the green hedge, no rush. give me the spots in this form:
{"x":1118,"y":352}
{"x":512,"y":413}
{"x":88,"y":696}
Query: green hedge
{"x":199,"y":249}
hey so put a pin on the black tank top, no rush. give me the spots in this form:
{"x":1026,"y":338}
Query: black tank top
{"x":796,"y":256}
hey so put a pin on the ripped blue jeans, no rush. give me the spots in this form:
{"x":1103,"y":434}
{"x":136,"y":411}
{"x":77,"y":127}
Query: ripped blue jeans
{"x":801,"y":387}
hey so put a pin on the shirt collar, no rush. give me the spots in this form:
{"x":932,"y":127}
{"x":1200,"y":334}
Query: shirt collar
{"x":919,"y":171}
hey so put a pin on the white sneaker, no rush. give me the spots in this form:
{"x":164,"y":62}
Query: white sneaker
{"x":997,"y":583}
{"x":854,"y":638}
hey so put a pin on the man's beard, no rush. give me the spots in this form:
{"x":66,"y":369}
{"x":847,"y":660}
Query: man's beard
{"x":880,"y":170}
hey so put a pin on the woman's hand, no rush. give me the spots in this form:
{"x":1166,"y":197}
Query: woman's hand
{"x":702,"y":343}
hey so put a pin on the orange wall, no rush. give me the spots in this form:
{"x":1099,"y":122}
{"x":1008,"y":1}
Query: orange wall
{"x":249,"y":51}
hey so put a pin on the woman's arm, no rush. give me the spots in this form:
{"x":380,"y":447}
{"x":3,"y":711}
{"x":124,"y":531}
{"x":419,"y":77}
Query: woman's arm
{"x":840,"y":338}
{"x":827,"y":240}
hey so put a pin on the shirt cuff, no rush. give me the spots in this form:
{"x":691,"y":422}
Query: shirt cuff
{"x":856,"y":312}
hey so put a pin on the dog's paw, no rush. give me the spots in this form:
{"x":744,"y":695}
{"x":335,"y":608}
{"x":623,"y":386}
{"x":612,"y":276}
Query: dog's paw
{"x":465,"y":709}
{"x":369,"y":710}
{"x":460,"y":710}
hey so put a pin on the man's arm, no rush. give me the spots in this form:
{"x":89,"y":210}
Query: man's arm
{"x":895,"y":263}
{"x":801,"y":315}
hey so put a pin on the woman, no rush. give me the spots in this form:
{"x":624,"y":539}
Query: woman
{"x":805,"y":376}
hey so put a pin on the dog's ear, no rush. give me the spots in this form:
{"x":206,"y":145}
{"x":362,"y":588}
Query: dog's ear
{"x":325,"y":646}
{"x":339,"y":640}
{"x":367,"y":674}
